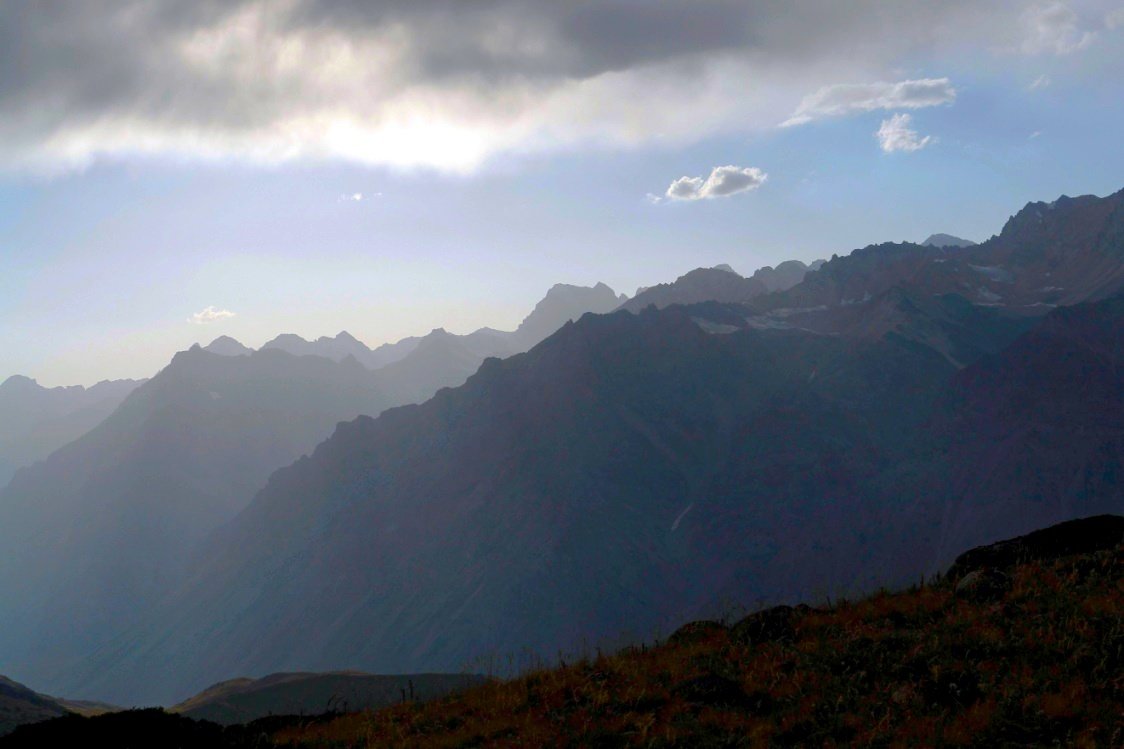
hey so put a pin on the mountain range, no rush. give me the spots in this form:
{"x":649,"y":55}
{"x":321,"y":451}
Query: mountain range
{"x":635,"y":470}
{"x":716,"y":441}
{"x":103,"y":527}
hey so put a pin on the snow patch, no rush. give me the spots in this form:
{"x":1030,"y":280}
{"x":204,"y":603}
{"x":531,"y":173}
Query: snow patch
{"x":999,"y":275}
{"x":675,"y":525}
{"x":714,"y":328}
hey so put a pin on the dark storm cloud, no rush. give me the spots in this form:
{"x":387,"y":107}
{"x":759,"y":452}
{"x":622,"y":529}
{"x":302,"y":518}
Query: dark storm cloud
{"x":442,"y":83}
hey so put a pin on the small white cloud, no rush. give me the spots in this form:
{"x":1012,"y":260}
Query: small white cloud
{"x":895,"y":134}
{"x":722,"y":182}
{"x":209,"y":315}
{"x":850,"y":98}
{"x":350,"y":197}
{"x":653,"y":198}
{"x":1034,"y":135}
{"x":1041,"y":81}
{"x":1054,"y":28}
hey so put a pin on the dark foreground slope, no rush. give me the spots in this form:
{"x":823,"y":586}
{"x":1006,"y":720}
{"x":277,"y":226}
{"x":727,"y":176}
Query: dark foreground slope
{"x":1019,"y":645}
{"x":20,"y":705}
{"x":246,"y":700}
{"x":1033,"y":659}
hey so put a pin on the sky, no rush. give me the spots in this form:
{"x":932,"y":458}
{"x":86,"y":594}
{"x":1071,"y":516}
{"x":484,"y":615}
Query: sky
{"x":172,"y":172}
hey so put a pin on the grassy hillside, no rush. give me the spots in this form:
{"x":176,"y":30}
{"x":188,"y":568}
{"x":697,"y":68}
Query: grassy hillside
{"x":19,"y":705}
{"x":1022,"y":644}
{"x":1030,"y":656}
{"x":245,"y":700}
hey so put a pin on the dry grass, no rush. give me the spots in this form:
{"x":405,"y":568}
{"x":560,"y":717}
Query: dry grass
{"x":1043,"y":665}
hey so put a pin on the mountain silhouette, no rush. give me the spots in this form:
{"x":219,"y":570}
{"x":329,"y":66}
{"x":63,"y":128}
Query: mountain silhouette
{"x":35,"y":421}
{"x":721,"y":284}
{"x":946,"y":240}
{"x":634,"y":470}
{"x":112,"y":520}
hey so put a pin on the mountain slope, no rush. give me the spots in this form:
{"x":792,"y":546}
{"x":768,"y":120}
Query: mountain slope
{"x":1036,"y":435}
{"x":35,"y":421}
{"x":113,"y":520}
{"x":20,"y":706}
{"x":244,"y":700}
{"x":109,"y":521}
{"x":1034,"y":661}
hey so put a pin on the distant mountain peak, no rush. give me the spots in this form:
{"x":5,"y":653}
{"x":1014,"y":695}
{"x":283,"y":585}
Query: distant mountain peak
{"x":562,"y":303}
{"x":19,"y":382}
{"x":947,"y":240}
{"x":727,"y":268}
{"x":224,"y":345}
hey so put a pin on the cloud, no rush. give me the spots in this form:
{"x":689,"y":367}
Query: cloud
{"x":895,"y":134}
{"x":722,"y":182}
{"x":1054,"y":28}
{"x":209,"y":315}
{"x":445,"y":84}
{"x":850,"y":98}
{"x":1041,"y":81}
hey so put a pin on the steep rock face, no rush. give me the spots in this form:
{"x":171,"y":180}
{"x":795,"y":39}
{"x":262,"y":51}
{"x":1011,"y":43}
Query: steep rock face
{"x":35,"y":421}
{"x":626,"y":473}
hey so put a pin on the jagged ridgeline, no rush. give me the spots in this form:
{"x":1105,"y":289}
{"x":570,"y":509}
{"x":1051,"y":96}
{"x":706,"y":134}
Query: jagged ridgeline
{"x":634,"y":471}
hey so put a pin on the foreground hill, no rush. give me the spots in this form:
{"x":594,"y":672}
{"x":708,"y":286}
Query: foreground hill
{"x":35,"y":421}
{"x":1018,"y":645}
{"x":245,"y":700}
{"x":1023,"y":651}
{"x":19,"y":705}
